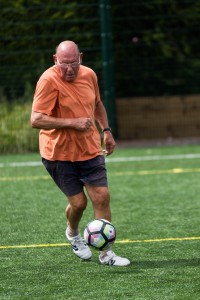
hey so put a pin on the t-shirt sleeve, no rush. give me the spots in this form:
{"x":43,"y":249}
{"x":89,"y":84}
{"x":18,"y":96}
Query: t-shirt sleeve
{"x":96,"y":87}
{"x":45,"y":97}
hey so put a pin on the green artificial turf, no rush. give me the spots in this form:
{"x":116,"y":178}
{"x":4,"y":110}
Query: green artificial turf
{"x":155,"y":206}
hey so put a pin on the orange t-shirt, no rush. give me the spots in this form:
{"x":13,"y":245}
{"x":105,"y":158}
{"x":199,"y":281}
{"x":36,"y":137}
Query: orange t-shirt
{"x":58,"y":98}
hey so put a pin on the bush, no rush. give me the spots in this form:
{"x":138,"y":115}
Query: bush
{"x":16,"y":134}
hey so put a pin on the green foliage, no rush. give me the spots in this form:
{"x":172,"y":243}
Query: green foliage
{"x":155,"y":44}
{"x":31,"y":30}
{"x":17,"y":136}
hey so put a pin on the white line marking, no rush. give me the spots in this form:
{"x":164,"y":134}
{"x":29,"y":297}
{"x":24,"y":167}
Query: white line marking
{"x":112,"y":159}
{"x":21,"y":164}
{"x":153,"y":157}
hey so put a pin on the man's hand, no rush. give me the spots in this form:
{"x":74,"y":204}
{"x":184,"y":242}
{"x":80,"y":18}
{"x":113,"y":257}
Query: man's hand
{"x":109,"y":143}
{"x":82,"y":124}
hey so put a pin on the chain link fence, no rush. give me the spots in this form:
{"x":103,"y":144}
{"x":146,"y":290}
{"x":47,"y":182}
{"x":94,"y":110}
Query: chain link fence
{"x":154,"y":52}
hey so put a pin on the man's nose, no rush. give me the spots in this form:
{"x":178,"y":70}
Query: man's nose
{"x":69,"y":67}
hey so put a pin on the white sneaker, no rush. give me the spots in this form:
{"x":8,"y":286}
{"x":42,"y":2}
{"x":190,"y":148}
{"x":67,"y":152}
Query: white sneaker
{"x":79,"y":246}
{"x":111,"y":259}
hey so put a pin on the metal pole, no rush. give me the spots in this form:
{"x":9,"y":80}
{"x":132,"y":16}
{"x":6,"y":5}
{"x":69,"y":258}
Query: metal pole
{"x":108,"y":66}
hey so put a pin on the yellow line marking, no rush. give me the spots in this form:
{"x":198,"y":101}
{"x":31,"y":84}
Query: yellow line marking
{"x":118,"y":242}
{"x":161,"y":240}
{"x":128,"y":173}
{"x":155,"y":172}
{"x":34,"y":246}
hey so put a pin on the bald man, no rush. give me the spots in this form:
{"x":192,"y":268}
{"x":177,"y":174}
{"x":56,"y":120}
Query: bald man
{"x":65,"y":108}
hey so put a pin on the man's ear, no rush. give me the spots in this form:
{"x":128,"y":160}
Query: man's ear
{"x":55,"y":59}
{"x":81,"y":57}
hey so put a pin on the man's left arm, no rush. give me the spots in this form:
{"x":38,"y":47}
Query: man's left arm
{"x":102,"y":119}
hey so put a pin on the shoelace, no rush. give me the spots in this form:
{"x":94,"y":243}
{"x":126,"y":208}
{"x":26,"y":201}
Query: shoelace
{"x":80,"y":242}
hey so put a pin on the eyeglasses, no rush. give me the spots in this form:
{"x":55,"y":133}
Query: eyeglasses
{"x":73,"y":64}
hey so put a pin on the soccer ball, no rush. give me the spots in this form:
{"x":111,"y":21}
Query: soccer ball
{"x":100,"y":234}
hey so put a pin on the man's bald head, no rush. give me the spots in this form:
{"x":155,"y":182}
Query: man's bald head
{"x":67,"y":47}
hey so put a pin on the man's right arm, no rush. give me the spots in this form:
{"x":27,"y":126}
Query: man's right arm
{"x":43,"y":121}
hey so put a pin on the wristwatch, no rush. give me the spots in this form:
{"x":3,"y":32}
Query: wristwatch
{"x":106,"y":129}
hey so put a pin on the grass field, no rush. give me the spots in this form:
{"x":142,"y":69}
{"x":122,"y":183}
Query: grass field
{"x":156,"y":210}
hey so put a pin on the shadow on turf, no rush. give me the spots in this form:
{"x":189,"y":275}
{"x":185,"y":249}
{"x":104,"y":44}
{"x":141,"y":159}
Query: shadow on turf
{"x":138,"y":266}
{"x":118,"y":269}
{"x":194,"y":262}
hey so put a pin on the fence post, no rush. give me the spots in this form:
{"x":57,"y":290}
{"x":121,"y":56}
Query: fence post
{"x":108,"y":66}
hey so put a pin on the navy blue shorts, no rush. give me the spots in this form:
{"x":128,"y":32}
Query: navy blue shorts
{"x":70,"y":177}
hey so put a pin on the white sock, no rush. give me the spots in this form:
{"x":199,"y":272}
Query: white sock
{"x":72,"y":232}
